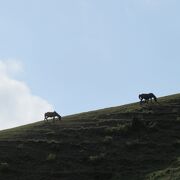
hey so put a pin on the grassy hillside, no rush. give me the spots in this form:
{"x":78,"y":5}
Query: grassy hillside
{"x":129,"y":142}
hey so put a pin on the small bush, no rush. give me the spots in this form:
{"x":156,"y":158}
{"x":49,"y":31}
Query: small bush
{"x":20,"y":146}
{"x":120,"y":128}
{"x":175,"y":110}
{"x":96,"y":158}
{"x":152,"y":126}
{"x":107,"y":139}
{"x":137,"y":124}
{"x":52,"y":141}
{"x":176,"y":144}
{"x":133,"y":143}
{"x":116,"y":176}
{"x":4,"y":167}
{"x":178,"y":118}
{"x":50,"y":133}
{"x":51,"y":157}
{"x":169,"y":173}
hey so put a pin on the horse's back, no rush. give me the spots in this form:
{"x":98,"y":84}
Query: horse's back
{"x":47,"y":113}
{"x":151,"y":94}
{"x":52,"y":114}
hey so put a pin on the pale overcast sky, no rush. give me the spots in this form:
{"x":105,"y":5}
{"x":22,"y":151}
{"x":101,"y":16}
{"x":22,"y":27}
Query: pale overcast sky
{"x":80,"y":55}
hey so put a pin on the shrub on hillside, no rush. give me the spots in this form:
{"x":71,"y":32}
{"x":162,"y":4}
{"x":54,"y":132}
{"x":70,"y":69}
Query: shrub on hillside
{"x":4,"y":167}
{"x":51,"y":157}
{"x":133,"y":143}
{"x":178,"y":118}
{"x":116,"y":176}
{"x":96,"y":158}
{"x":137,"y":124}
{"x":120,"y":128}
{"x":20,"y":146}
{"x":108,"y":139}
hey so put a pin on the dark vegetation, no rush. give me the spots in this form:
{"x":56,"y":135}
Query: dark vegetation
{"x":130,"y":142}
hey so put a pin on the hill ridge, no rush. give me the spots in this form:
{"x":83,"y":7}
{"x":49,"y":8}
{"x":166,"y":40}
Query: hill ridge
{"x":124,"y":142}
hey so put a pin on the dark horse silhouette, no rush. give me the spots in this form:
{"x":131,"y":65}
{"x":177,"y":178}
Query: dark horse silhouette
{"x":52,"y":115}
{"x":147,"y":97}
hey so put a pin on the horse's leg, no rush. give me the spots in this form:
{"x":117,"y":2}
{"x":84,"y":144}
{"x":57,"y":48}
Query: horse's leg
{"x":45,"y":118}
{"x":140,"y":102}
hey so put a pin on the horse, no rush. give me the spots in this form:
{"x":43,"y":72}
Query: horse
{"x":51,"y":114}
{"x":146,"y":97}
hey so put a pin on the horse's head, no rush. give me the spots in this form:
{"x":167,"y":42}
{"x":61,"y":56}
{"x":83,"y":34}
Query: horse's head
{"x":140,"y":96}
{"x":55,"y":113}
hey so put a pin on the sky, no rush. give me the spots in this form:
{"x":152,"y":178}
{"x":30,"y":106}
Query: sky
{"x":77,"y":56}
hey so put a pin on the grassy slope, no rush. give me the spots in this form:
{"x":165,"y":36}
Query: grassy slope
{"x":103,"y":144}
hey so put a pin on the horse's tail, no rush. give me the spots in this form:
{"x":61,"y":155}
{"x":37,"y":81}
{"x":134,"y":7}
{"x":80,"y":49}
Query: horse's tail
{"x":140,"y":96}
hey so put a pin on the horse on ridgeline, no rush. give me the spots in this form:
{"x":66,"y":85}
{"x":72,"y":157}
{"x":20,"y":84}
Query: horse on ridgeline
{"x":51,"y":115}
{"x":147,"y":97}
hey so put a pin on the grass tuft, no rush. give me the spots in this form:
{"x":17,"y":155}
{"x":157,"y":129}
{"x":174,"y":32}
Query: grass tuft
{"x":4,"y":167}
{"x":51,"y":157}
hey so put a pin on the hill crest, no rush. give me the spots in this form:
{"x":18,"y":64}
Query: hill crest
{"x":124,"y":142}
